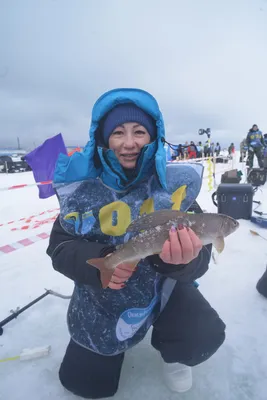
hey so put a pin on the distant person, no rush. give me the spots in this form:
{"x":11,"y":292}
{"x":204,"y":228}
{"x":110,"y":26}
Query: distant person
{"x":207,"y":149}
{"x":255,"y":143}
{"x":217,"y":149}
{"x":199,"y":150}
{"x":231,"y":149}
{"x":212,"y":149}
{"x":192,"y":150}
{"x":185,"y":147}
{"x":180,"y":152}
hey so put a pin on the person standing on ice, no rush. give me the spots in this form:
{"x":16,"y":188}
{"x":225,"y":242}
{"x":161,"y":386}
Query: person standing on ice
{"x":121,"y":174}
{"x":180,"y":152}
{"x":199,"y":150}
{"x":255,"y":145}
{"x":217,"y":149}
{"x":192,"y":150}
{"x":231,"y":149}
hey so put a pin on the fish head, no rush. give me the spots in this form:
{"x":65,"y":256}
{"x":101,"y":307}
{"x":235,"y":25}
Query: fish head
{"x":229,"y":225}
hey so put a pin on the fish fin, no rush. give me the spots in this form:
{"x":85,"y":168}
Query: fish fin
{"x":105,"y":272}
{"x":219,"y":244}
{"x":152,"y":220}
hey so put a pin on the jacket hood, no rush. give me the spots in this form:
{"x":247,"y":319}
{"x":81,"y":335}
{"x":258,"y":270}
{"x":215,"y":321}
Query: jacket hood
{"x":95,"y":161}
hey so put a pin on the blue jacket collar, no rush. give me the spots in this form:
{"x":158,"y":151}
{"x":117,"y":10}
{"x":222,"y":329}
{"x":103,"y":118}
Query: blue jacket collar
{"x":113,"y":174}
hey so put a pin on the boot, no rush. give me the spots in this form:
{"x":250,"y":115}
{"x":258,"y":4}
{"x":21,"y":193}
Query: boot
{"x":177,"y":377}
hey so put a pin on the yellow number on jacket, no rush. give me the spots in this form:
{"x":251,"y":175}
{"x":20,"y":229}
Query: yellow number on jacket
{"x":147,"y":207}
{"x":177,"y":197}
{"x":122,"y":213}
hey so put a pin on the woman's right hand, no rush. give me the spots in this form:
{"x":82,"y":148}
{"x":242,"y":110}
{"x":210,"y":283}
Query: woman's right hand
{"x":121,"y":274}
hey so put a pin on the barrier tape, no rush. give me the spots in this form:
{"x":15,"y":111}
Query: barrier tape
{"x":9,"y":248}
{"x":35,"y":224}
{"x":25,"y":185}
{"x":29,"y":219}
{"x":200,"y":159}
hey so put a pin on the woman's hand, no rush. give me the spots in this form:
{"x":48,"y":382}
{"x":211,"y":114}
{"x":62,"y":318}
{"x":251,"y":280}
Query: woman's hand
{"x":121,"y":274}
{"x":182,"y":246}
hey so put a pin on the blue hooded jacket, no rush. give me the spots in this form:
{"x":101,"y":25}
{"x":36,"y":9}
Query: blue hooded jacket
{"x":255,"y":139}
{"x":97,"y":204}
{"x":83,"y":165}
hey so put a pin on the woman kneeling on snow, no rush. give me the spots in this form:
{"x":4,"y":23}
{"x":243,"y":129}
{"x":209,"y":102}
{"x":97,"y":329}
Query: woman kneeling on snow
{"x":122,"y":174}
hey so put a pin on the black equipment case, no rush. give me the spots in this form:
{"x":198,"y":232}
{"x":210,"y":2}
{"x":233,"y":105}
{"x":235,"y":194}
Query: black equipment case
{"x":234,"y":200}
{"x":257,"y":176}
{"x":231,"y":176}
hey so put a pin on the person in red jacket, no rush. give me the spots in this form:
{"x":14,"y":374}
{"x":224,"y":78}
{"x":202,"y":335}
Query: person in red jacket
{"x":192,"y":150}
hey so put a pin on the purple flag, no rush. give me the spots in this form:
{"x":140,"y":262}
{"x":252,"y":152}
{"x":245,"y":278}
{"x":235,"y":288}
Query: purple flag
{"x":42,"y":161}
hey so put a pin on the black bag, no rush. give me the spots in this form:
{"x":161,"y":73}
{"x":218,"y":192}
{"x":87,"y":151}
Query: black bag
{"x":230,"y":177}
{"x":222,"y":160}
{"x":257,"y":176}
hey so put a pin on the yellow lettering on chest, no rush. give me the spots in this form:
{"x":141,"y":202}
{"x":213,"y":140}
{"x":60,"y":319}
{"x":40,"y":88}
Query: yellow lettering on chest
{"x":147,"y":207}
{"x":178,"y":196}
{"x":119,"y":211}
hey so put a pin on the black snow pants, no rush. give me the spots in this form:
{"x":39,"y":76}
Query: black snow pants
{"x":259,"y":154}
{"x":188,"y":331}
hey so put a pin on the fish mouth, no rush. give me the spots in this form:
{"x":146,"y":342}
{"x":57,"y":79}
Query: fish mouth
{"x":230,"y":225}
{"x":235,"y":222}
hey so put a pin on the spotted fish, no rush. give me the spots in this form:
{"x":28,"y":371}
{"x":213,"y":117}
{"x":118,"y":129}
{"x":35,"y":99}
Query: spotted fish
{"x":152,"y":230}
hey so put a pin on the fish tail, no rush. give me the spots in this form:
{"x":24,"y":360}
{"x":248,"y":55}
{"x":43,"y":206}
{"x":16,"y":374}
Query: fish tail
{"x":106,"y":272}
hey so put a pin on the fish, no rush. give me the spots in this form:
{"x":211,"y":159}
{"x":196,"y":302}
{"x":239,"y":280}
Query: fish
{"x":150,"y":231}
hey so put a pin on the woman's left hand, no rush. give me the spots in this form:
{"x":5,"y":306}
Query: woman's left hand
{"x":182,"y":246}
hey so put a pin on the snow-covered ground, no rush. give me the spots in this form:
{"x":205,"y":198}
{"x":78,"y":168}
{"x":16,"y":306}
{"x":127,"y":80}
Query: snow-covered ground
{"x":238,"y":371}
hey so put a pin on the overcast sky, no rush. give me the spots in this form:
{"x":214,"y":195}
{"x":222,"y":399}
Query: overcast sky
{"x":205,"y":61}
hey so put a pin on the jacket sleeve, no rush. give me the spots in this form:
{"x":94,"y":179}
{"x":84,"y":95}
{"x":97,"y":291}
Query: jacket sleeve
{"x":69,"y":254}
{"x":185,"y":273}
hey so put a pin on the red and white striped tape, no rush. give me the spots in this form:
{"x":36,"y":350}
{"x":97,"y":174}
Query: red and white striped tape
{"x":35,"y":224}
{"x":29,"y":219}
{"x":50,"y":182}
{"x":23,"y":185}
{"x":9,"y":248}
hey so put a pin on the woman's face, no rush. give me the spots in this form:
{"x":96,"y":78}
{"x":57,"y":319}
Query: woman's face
{"x":127,"y":141}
